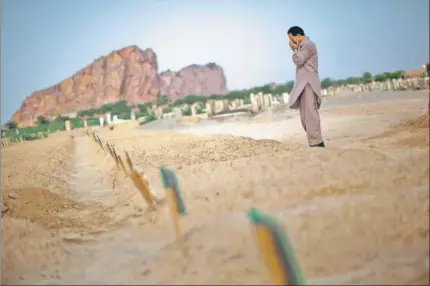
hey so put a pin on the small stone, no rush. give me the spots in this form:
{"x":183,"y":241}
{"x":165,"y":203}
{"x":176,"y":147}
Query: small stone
{"x":12,"y":196}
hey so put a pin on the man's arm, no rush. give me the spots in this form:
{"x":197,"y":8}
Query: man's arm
{"x":301,"y":55}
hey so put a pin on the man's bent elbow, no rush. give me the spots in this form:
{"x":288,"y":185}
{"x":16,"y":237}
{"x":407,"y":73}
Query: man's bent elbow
{"x":297,"y":61}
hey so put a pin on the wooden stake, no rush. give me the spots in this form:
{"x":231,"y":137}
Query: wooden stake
{"x":174,"y":214}
{"x":115,"y":157}
{"x":268,"y":251}
{"x":129,"y":163}
{"x":276,"y":250}
{"x":109,"y":149}
{"x":143,"y":187}
{"x":121,"y":163}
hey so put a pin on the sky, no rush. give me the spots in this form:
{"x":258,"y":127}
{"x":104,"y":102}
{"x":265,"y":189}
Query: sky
{"x":45,"y":41}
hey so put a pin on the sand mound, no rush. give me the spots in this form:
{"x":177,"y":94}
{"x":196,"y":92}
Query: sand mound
{"x":418,"y":123}
{"x":37,"y":205}
{"x":411,"y":133}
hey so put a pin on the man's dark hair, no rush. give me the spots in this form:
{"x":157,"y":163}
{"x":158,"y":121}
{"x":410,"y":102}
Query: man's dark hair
{"x":296,"y":30}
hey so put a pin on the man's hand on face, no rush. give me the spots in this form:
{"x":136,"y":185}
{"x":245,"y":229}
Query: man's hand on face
{"x":293,"y":45}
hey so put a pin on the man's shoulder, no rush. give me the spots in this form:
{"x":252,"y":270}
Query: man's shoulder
{"x":308,"y":43}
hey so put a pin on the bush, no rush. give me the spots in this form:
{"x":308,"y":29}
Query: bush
{"x":141,"y":114}
{"x":11,"y":125}
{"x":41,"y":120}
{"x":167,"y":110}
{"x":148,"y":119}
{"x":93,"y":121}
{"x":186,"y":111}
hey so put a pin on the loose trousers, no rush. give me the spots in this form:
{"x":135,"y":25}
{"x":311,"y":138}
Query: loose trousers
{"x":309,"y":115}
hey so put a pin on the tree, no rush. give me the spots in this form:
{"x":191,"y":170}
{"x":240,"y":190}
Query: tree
{"x":381,"y":77}
{"x":326,"y":83}
{"x":352,"y":80}
{"x":339,"y":82}
{"x":167,"y":110}
{"x":186,"y":111}
{"x":11,"y":125}
{"x":289,"y":86}
{"x":162,"y":100}
{"x":394,"y":75}
{"x":367,"y":77}
{"x":42,"y":120}
{"x":144,"y":107}
{"x":61,"y":118}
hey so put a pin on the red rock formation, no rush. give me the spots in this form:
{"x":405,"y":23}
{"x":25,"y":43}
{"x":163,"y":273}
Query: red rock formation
{"x":128,"y":74}
{"x":193,"y":80}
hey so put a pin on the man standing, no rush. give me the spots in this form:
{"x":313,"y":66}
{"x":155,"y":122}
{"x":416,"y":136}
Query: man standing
{"x":306,"y":94}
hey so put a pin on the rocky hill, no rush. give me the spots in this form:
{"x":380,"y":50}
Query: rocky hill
{"x":129,"y":74}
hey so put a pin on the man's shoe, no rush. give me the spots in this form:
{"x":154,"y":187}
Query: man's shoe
{"x":319,"y":145}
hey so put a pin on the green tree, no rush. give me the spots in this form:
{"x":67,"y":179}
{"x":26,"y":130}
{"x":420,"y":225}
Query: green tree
{"x":200,"y":109}
{"x":41,"y":120}
{"x":381,"y":77}
{"x":162,"y":100}
{"x":289,"y":86}
{"x":186,"y":111}
{"x":61,"y":118}
{"x":352,"y":80}
{"x":216,"y":97}
{"x":339,"y":82}
{"x":143,"y":108}
{"x":264,"y":89}
{"x":367,"y":77}
{"x":326,"y":83}
{"x":394,"y":75}
{"x":88,"y":112}
{"x":11,"y":125}
{"x":149,"y":118}
{"x":167,"y":110}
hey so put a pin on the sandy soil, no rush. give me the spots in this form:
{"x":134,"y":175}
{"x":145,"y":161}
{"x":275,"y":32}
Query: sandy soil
{"x":357,"y":212}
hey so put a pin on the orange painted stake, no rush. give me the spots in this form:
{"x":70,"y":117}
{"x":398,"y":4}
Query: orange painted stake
{"x":142,"y":186}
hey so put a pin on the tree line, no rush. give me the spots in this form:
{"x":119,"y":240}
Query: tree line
{"x":367,"y":77}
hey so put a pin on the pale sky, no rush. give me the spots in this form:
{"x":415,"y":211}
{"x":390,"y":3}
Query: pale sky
{"x":46,"y":41}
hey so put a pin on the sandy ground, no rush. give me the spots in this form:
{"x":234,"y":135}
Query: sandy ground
{"x":357,"y":212}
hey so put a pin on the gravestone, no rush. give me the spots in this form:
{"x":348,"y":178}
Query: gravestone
{"x":67,"y":123}
{"x":115,"y":119}
{"x":177,"y":113}
{"x":108,"y":118}
{"x":193,"y":110}
{"x":286,"y":97}
{"x":210,"y":108}
{"x":101,"y":121}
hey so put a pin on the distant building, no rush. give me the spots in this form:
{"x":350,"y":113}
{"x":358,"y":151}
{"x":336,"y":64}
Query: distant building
{"x":421,"y":72}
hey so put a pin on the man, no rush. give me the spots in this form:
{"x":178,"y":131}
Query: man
{"x":306,"y":94}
